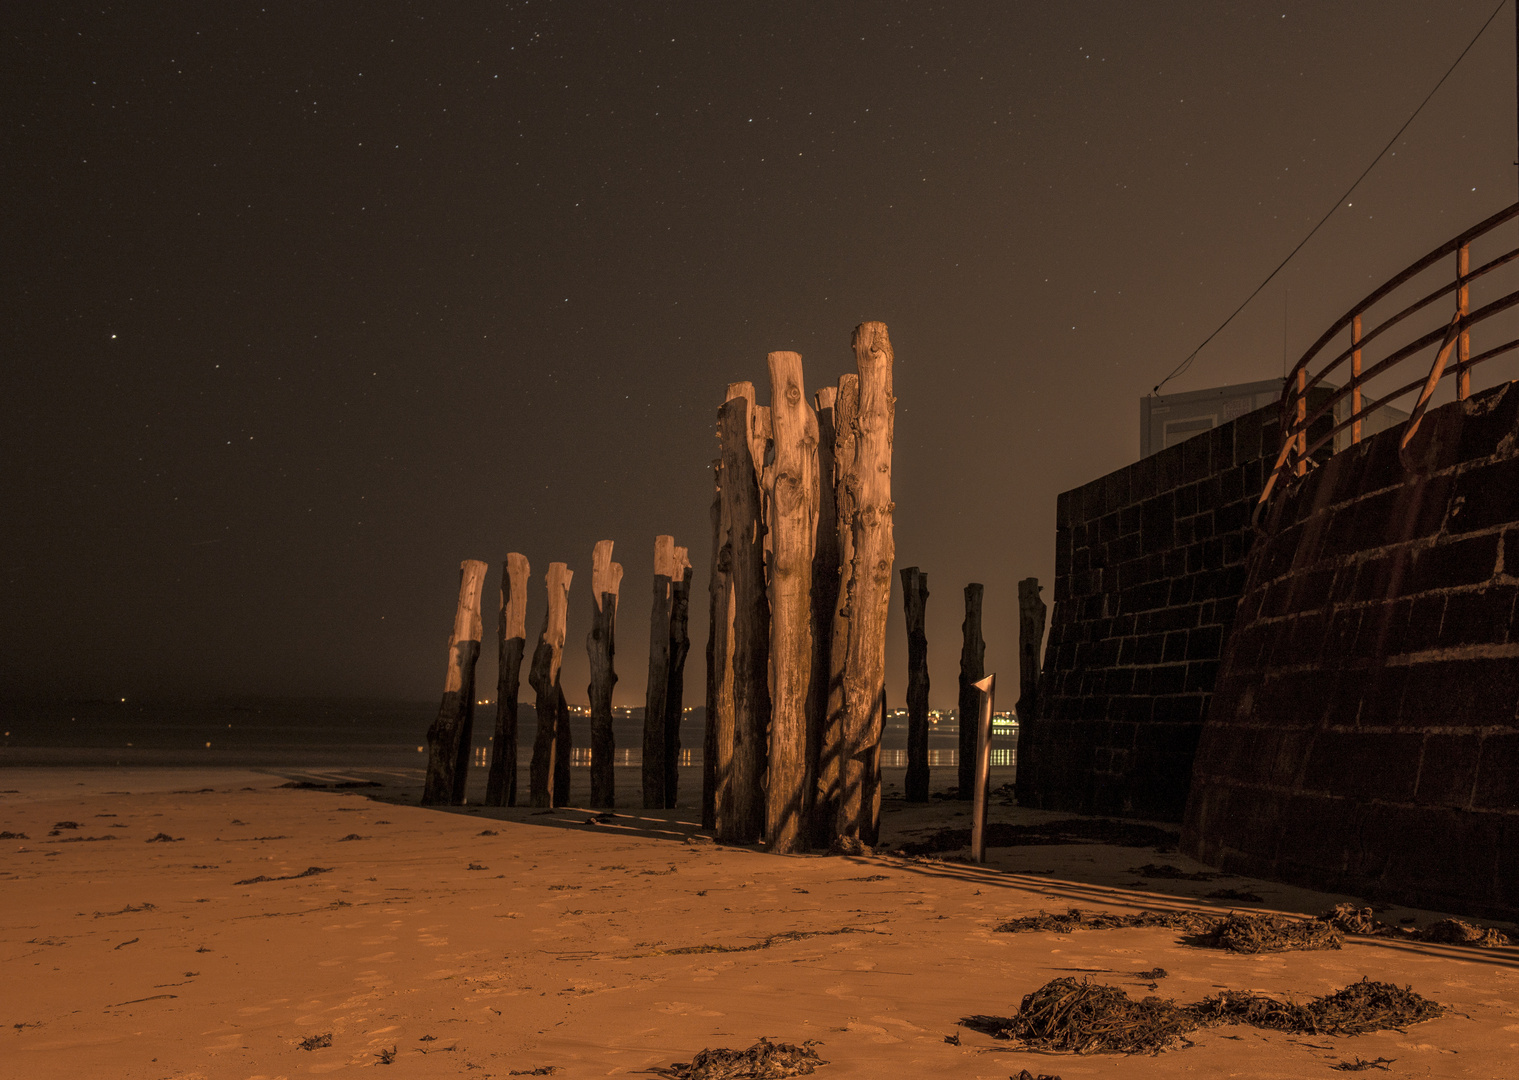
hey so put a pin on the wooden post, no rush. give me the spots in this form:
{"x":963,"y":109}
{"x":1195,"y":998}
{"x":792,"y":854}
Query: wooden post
{"x":868,"y":481}
{"x":972,"y":668}
{"x":511,"y":640}
{"x":658,"y":688}
{"x":982,"y":781}
{"x":544,"y":677}
{"x":719,"y":663}
{"x":914,"y":603}
{"x":741,"y":804}
{"x":846,"y":407}
{"x":563,"y":751}
{"x":675,"y":690}
{"x":793,"y":500}
{"x":1031,"y":613}
{"x":601,"y":647}
{"x":448,"y":737}
{"x":825,"y":598}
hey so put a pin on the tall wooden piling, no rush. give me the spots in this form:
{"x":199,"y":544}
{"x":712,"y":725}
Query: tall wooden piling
{"x":544,"y":677}
{"x":1031,"y":613}
{"x":914,"y":605}
{"x":972,"y":670}
{"x":741,"y":804}
{"x":657,"y":690}
{"x":563,"y":751}
{"x":846,"y":407}
{"x":825,"y":597}
{"x":719,"y":657}
{"x":448,"y":739}
{"x":601,"y":648}
{"x":675,"y":689}
{"x":511,"y":641}
{"x":868,"y":482}
{"x":793,"y":500}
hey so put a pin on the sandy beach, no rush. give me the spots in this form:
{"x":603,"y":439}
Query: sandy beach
{"x":208,"y":923}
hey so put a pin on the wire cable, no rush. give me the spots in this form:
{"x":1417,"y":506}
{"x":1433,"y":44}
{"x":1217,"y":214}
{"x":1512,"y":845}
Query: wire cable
{"x":1187,"y":363}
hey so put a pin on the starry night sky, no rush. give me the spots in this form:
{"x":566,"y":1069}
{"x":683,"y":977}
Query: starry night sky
{"x":306,"y":303}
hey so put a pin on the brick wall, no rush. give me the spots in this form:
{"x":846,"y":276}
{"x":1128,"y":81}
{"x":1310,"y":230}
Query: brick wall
{"x":1363,"y":737}
{"x":1149,"y":563}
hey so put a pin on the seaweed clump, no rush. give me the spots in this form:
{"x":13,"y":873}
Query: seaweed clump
{"x":1244,"y":933}
{"x":1359,"y":1008}
{"x":764,"y":1060}
{"x":1076,"y":919}
{"x":1079,"y":1017}
{"x":1353,"y":920}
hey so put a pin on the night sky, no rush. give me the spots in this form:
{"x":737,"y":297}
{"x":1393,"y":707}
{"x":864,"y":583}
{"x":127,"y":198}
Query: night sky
{"x":306,"y":303}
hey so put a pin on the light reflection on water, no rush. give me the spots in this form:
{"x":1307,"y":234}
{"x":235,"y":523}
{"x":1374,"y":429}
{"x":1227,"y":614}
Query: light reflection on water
{"x":580,"y":757}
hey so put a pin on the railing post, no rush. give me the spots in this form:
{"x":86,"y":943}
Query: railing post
{"x":1355,"y":378}
{"x":1302,"y":421}
{"x":1464,"y":344}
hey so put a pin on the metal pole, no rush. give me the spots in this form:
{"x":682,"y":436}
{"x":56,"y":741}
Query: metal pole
{"x":987,"y":686}
{"x":1464,"y":342}
{"x":1355,"y":378}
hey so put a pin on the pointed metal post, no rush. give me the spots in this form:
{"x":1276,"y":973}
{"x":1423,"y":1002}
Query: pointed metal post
{"x":987,"y":687}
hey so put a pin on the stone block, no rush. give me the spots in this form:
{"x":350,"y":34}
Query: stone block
{"x":1448,"y":769}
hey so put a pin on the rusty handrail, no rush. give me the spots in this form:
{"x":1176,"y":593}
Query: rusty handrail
{"x":1296,"y":455}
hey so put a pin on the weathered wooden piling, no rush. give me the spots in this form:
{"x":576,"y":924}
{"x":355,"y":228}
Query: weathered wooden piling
{"x":657,"y":690}
{"x":972,"y":670}
{"x":601,"y":648}
{"x":868,"y":482}
{"x":544,"y":677}
{"x":511,"y":641}
{"x":741,"y":805}
{"x":719,"y":656}
{"x":448,"y":739}
{"x":793,"y":501}
{"x":1031,"y":613}
{"x":563,"y":751}
{"x":675,"y":690}
{"x":825,"y":597}
{"x":846,"y":407}
{"x":914,"y":605}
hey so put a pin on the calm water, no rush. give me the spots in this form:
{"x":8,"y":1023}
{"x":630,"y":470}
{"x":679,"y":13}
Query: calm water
{"x":386,"y":734}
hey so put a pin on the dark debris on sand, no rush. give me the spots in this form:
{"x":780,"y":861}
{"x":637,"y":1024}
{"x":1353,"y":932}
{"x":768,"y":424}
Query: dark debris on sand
{"x":1080,"y":1017}
{"x":1071,"y":831}
{"x":310,"y":871}
{"x":1167,"y":872}
{"x":1247,"y":933}
{"x":1353,"y":920}
{"x":762,"y":1061}
{"x":1076,"y":919}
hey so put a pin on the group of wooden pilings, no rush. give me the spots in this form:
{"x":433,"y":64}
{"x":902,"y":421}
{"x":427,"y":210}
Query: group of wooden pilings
{"x":1031,"y":618}
{"x":800,"y":582}
{"x":449,"y":737}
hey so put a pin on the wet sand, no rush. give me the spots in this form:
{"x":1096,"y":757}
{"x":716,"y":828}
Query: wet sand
{"x":488,"y":943}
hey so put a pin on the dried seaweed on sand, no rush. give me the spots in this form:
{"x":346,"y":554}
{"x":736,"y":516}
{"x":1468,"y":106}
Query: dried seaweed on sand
{"x":1353,"y":920}
{"x":762,"y":1061}
{"x":1359,"y":1008}
{"x":1078,"y":1017}
{"x":1076,"y":919}
{"x":1269,"y":933}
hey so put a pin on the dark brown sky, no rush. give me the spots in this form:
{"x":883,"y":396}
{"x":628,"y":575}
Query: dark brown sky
{"x":305,"y":303}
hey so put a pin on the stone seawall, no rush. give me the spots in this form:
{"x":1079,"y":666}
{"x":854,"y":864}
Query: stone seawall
{"x":1149,"y":564}
{"x":1363,"y":733}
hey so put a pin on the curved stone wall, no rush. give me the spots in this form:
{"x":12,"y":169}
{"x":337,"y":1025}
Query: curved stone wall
{"x":1363,"y":735}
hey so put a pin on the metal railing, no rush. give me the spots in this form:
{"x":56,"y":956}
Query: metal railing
{"x":1296,"y":456}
